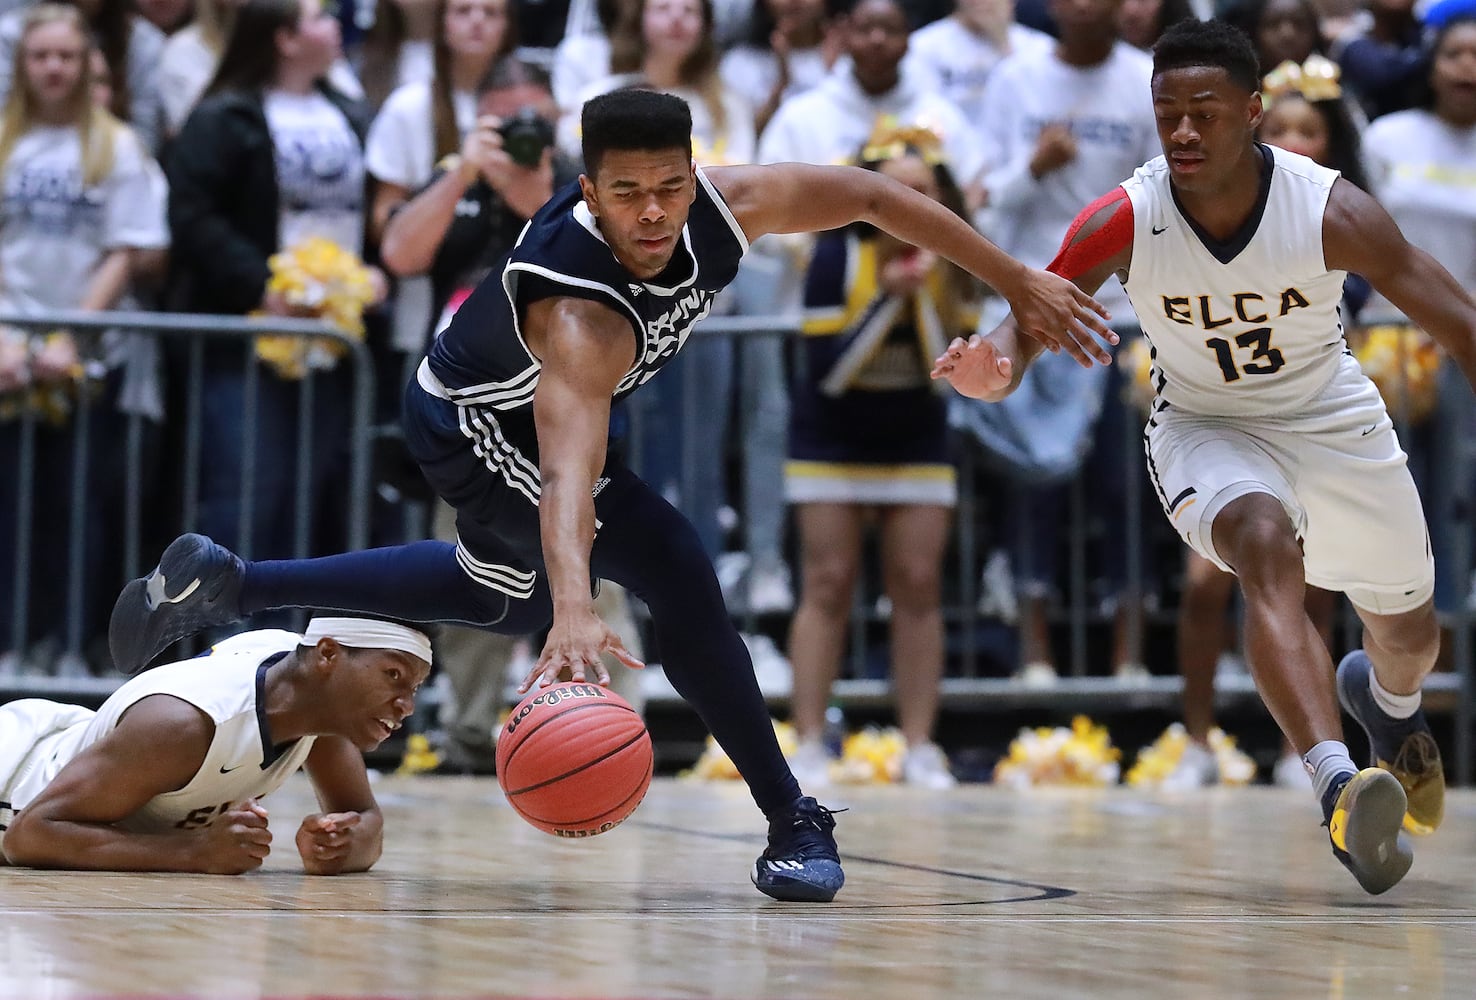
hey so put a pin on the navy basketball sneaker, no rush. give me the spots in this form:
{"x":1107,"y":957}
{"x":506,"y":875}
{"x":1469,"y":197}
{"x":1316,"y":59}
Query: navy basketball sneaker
{"x":197,"y":585}
{"x":1404,"y":747}
{"x":801,"y":864}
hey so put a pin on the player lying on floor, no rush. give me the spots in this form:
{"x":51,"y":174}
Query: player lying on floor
{"x":167,"y":774}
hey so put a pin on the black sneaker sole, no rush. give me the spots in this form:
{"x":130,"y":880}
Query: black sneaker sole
{"x":822,"y":890}
{"x":142,"y":625}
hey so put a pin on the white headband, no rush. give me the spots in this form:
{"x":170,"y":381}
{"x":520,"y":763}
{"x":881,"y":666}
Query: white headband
{"x":368,"y":633}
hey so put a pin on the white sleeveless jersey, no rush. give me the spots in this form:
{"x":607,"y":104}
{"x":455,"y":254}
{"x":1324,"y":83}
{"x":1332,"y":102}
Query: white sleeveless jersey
{"x":226,"y":685}
{"x":1248,"y":327}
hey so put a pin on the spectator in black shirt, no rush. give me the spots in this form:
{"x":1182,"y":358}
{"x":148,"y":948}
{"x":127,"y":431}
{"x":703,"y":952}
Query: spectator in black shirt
{"x":469,"y":214}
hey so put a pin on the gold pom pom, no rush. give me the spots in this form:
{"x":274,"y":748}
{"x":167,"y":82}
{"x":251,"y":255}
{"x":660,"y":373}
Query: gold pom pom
{"x":419,"y":757}
{"x":871,"y":756}
{"x":1136,"y":360}
{"x":1404,"y":363}
{"x":1317,"y":79}
{"x":1159,"y":759}
{"x":321,"y":276}
{"x":1082,"y":756}
{"x":716,"y":765}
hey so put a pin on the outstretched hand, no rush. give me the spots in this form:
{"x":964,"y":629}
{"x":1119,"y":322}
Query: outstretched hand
{"x":974,"y":367}
{"x":1061,"y":316}
{"x":573,"y":648}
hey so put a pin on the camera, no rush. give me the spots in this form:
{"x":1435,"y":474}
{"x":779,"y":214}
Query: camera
{"x":525,"y":135}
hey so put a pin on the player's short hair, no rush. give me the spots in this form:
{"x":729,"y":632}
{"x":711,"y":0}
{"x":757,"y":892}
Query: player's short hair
{"x":632,"y":119}
{"x":1209,"y":43}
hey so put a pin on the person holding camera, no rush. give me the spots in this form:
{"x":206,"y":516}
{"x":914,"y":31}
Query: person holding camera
{"x":469,"y":214}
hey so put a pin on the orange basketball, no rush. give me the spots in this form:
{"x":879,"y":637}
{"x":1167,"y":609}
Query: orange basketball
{"x":574,"y":759}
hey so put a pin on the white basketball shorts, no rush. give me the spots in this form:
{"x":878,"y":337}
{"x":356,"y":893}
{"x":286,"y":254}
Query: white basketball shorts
{"x":34,"y":744}
{"x":1338,"y":470}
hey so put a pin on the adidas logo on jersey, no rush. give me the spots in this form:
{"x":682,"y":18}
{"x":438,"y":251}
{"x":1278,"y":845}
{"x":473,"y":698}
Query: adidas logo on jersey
{"x":636,"y":289}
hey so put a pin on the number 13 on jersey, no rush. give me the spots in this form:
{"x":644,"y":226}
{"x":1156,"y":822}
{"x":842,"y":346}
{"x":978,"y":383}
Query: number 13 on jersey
{"x":1264,"y":359}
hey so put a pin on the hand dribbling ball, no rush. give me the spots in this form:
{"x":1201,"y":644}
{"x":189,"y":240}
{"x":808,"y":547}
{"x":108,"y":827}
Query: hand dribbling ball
{"x":574,"y":759}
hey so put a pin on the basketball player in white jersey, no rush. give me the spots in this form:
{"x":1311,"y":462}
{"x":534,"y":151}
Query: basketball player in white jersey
{"x":166,"y":775}
{"x":1271,"y":452}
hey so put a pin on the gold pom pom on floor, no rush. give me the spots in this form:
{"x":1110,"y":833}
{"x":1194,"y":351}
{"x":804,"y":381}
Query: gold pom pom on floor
{"x":1159,"y":759}
{"x":1082,"y":756}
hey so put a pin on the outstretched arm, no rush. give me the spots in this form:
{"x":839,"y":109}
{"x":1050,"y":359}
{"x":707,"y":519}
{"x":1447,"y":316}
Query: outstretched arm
{"x":1098,"y":245}
{"x":348,"y":835}
{"x":797,"y":197}
{"x":585,"y":349}
{"x":157,"y":747}
{"x":1359,"y":236}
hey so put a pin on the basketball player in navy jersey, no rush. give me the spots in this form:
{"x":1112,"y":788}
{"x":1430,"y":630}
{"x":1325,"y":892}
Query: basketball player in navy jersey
{"x":508,"y":418}
{"x":166,"y":775}
{"x":1271,"y":451}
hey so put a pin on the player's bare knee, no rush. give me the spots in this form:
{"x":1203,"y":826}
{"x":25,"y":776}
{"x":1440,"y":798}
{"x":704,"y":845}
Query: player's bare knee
{"x":1260,"y":543}
{"x":1413,"y":636}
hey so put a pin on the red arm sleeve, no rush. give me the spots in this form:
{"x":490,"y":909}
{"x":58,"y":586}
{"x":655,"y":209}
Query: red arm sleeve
{"x":1079,"y":255}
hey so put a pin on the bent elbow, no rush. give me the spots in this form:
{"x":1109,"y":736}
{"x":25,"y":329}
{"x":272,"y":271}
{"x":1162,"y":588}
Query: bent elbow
{"x":399,"y":259}
{"x":24,"y":844}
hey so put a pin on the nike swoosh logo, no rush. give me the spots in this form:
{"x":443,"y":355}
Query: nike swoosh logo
{"x":158,"y":594}
{"x":1369,"y":431}
{"x":228,"y":770}
{"x":1159,"y":229}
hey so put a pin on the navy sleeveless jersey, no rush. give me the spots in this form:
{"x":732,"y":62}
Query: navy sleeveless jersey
{"x":481,"y":360}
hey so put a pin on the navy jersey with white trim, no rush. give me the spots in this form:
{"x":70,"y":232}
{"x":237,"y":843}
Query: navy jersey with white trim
{"x":482,"y":358}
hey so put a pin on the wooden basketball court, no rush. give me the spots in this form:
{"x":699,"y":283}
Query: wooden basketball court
{"x":975,"y":893}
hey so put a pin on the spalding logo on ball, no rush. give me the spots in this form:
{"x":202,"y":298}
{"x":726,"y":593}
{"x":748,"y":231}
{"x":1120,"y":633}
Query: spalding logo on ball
{"x":574,"y":759}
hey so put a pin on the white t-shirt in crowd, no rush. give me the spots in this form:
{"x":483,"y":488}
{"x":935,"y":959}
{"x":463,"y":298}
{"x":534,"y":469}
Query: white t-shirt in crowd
{"x":54,"y":231}
{"x":320,"y":170}
{"x":417,"y":62}
{"x":578,"y":62}
{"x":752,"y":70}
{"x":401,"y":146}
{"x":957,"y":62}
{"x":1424,"y":172}
{"x":1109,"y":108}
{"x":187,"y":65}
{"x":185,"y":68}
{"x":401,"y":149}
{"x":829,"y":123}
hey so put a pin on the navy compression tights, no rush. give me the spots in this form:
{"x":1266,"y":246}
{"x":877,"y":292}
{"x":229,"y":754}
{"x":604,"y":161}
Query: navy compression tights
{"x":644,"y":544}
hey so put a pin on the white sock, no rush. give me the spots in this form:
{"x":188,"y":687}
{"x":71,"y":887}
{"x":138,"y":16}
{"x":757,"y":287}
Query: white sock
{"x":1395,"y":706}
{"x":1326,"y":761}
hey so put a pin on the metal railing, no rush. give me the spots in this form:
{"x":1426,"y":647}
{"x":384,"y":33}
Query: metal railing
{"x":195,"y":331}
{"x":966,"y":682}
